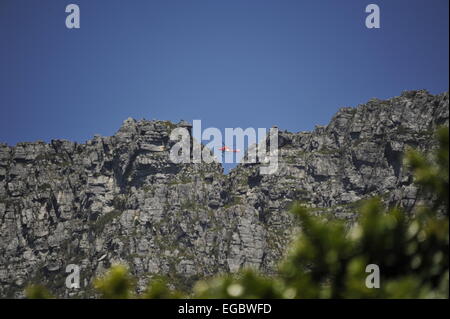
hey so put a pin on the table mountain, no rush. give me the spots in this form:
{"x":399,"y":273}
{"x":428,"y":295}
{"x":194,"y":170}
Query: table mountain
{"x":120,"y":199}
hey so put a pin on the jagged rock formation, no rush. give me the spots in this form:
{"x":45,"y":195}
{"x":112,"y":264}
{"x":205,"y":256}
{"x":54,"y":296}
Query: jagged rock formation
{"x":120,"y":199}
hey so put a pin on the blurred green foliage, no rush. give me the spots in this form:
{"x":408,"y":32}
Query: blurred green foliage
{"x":326,"y":261}
{"x":115,"y":284}
{"x":37,"y":292}
{"x":329,"y":261}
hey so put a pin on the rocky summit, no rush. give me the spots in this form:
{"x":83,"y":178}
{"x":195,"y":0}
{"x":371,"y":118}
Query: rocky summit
{"x":120,"y":199}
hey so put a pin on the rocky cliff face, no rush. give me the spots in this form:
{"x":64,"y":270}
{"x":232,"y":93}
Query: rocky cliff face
{"x":120,"y":199}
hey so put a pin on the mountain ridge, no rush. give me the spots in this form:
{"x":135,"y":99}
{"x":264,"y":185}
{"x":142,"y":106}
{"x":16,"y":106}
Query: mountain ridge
{"x":119,"y":199}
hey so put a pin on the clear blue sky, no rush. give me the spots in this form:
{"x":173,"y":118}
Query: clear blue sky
{"x":230,"y":63}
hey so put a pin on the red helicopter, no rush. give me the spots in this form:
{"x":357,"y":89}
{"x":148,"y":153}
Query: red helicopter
{"x":225,"y":148}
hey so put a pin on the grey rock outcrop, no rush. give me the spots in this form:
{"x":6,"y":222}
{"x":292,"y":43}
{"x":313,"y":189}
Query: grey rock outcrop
{"x":120,"y":199}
